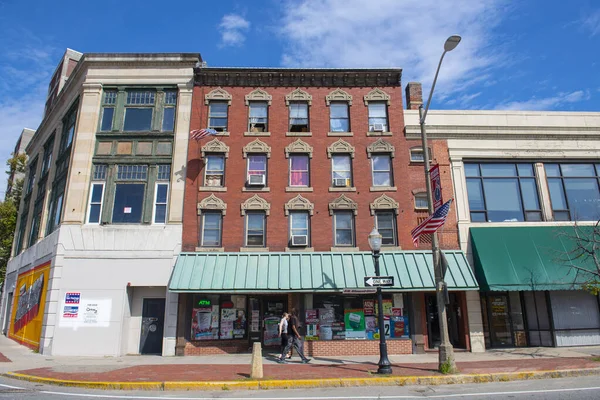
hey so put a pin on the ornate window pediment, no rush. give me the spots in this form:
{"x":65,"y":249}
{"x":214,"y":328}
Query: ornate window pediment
{"x":380,"y":146}
{"x":338,"y":95}
{"x":340,"y":146}
{"x":384,"y":202}
{"x":343,"y":203}
{"x":258,"y":95}
{"x":298,"y":146}
{"x":215,"y":146}
{"x":377,"y":95}
{"x":298,"y":95}
{"x":218,"y":95}
{"x":299,"y":203}
{"x":256,"y":203}
{"x":212,"y":203}
{"x":257,"y":146}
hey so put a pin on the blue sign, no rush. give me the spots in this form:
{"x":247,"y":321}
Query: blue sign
{"x":72,"y":297}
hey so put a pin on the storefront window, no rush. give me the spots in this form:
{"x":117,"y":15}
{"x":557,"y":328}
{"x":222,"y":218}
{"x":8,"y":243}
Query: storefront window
{"x":218,"y":317}
{"x":334,"y":317}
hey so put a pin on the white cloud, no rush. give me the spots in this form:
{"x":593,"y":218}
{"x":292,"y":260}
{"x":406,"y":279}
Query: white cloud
{"x":233,"y":28}
{"x":389,"y":33}
{"x":591,"y":23}
{"x":546,"y":103}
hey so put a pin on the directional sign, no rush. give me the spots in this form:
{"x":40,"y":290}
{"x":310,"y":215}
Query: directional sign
{"x":379,"y":281}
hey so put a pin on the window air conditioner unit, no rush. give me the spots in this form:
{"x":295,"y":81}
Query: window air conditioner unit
{"x":299,"y":240}
{"x":341,"y":182}
{"x":378,"y":127}
{"x":257,"y":179}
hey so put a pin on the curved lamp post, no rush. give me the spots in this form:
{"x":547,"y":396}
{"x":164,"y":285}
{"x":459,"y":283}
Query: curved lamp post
{"x":446,"y":351}
{"x":384,"y":365}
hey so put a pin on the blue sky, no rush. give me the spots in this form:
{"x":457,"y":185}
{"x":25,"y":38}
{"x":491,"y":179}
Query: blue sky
{"x":523,"y":55}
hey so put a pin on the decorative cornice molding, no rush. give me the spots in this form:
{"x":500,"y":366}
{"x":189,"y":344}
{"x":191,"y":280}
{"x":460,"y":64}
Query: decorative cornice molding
{"x":298,"y":95}
{"x":273,"y":77}
{"x":256,"y":203}
{"x":212,"y":203}
{"x":380,"y":146}
{"x":257,"y":146}
{"x":504,"y":132}
{"x":299,"y":146}
{"x":343,"y":203}
{"x":340,"y":146}
{"x":377,"y":95}
{"x":384,"y":202}
{"x":218,"y":94}
{"x":258,"y":95}
{"x":215,"y":146}
{"x":299,"y":203}
{"x":338,"y":95}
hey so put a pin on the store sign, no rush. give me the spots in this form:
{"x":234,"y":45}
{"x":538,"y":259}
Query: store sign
{"x":359,"y":291}
{"x":204,"y":303}
{"x":28,"y":306}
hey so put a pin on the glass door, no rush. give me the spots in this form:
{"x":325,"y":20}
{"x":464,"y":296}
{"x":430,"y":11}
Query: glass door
{"x":499,"y":320}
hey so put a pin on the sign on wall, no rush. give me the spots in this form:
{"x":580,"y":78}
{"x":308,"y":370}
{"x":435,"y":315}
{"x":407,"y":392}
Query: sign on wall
{"x":77,"y":310}
{"x":436,"y":186}
{"x":28,"y":307}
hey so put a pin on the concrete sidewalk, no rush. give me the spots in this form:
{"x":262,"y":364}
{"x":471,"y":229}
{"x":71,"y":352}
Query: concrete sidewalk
{"x":233,"y":371}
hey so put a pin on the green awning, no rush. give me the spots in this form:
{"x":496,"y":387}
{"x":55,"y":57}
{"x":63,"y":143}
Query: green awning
{"x":310,"y":272}
{"x":525,"y":258}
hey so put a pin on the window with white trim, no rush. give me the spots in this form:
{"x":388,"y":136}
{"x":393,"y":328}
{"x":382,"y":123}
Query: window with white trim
{"x":256,"y":229}
{"x":299,"y":170}
{"x":210,"y":233}
{"x":217,"y":115}
{"x":385,"y":222}
{"x":339,"y":117}
{"x":343,"y":228}
{"x":298,"y":117}
{"x":214,"y":172}
{"x":421,"y":202}
{"x":381,"y":169}
{"x":341,"y":170}
{"x":257,"y":165}
{"x":96,"y":194}
{"x":378,"y":117}
{"x":161,"y":194}
{"x":416,"y":154}
{"x":299,"y":229}
{"x":258,"y":116}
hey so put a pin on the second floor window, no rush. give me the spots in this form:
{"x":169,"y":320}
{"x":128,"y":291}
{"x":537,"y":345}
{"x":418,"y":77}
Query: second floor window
{"x":502,"y":192}
{"x":421,"y":202}
{"x":298,"y":117}
{"x":130,"y":192}
{"x":385,"y":221}
{"x":341,"y":170}
{"x":378,"y":118}
{"x":343,"y":228}
{"x":217,"y":115}
{"x":257,"y":118}
{"x":299,"y":175}
{"x":299,"y":230}
{"x":382,"y":170}
{"x":139,"y":109}
{"x":96,"y":194}
{"x":255,"y":229}
{"x":574,"y":191}
{"x":214,"y":172}
{"x":339,"y":119}
{"x":161,"y":194}
{"x":210,"y":233}
{"x":257,"y":170}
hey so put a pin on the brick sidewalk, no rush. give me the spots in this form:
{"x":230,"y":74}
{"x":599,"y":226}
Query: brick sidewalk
{"x":295,"y":370}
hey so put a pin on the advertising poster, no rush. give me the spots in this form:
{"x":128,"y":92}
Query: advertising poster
{"x":239,"y":325}
{"x":338,"y":331}
{"x":396,"y":312}
{"x":28,"y":306}
{"x":326,"y":316}
{"x":369,"y":307}
{"x":387,"y":307}
{"x":312,"y":332}
{"x":312,"y":317}
{"x":400,"y":327}
{"x":202,"y":323}
{"x":354,"y":321}
{"x":271,"y":337}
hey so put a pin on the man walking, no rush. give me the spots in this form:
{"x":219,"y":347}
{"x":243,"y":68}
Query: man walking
{"x":294,"y":339}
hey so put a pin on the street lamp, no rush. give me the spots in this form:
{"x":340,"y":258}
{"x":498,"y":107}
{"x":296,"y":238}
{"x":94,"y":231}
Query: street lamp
{"x":446,"y":352}
{"x":385,"y":367}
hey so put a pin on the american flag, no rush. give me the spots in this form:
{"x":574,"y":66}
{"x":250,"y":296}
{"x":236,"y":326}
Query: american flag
{"x":432,"y":223}
{"x":198,"y":134}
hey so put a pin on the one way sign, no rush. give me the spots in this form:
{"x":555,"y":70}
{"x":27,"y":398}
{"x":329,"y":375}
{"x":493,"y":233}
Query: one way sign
{"x":379,"y":281}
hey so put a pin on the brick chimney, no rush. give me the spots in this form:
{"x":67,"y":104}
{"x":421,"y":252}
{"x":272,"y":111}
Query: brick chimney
{"x":414,"y":96}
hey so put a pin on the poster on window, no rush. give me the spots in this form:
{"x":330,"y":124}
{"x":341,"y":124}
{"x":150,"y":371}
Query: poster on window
{"x":312,"y":317}
{"x":326,"y":316}
{"x":271,"y":335}
{"x":202,"y":323}
{"x":239,"y":325}
{"x":338,"y":331}
{"x":312,"y":332}
{"x":354,"y":320}
{"x":400,"y":327}
{"x":369,"y":306}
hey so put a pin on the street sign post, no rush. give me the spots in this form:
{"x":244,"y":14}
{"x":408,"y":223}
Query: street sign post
{"x":371,"y":281}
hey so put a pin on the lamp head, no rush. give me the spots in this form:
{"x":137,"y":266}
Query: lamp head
{"x":452,"y":42}
{"x":375,"y":240}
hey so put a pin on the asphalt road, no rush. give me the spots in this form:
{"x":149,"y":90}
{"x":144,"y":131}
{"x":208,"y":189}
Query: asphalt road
{"x":551,"y":389}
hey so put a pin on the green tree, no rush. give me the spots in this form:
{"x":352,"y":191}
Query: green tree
{"x":9,"y":209}
{"x":584,"y":255}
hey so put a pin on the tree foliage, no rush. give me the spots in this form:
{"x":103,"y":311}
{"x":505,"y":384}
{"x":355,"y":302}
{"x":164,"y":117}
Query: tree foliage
{"x":584,"y":256}
{"x":9,"y":209}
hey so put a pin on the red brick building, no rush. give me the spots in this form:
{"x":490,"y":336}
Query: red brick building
{"x":279,"y":204}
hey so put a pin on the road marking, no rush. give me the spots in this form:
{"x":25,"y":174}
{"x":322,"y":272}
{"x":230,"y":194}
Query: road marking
{"x":12,"y":387}
{"x":101,"y":396}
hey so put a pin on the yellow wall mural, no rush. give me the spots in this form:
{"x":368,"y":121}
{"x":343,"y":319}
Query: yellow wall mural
{"x":28,"y":306}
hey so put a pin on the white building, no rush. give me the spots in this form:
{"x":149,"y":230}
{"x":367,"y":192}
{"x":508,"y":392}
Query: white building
{"x":521,"y":179}
{"x":100,"y":221}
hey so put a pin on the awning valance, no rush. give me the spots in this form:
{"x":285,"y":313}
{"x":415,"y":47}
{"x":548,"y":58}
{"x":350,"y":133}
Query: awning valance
{"x":525,"y":258}
{"x":312,"y":272}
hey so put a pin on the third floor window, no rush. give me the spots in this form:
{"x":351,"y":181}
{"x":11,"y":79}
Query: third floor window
{"x":339,"y":117}
{"x":217,"y":115}
{"x":258,"y":116}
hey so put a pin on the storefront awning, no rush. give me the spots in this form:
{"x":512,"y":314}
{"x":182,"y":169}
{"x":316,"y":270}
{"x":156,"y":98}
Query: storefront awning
{"x":526,"y":258}
{"x":312,"y":272}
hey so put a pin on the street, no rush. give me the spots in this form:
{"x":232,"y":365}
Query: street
{"x":569,"y":388}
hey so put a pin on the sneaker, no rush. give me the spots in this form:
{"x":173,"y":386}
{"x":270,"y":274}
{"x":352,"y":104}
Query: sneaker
{"x":280,"y":361}
{"x":306,"y":361}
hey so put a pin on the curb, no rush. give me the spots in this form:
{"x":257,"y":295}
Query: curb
{"x":313,"y":383}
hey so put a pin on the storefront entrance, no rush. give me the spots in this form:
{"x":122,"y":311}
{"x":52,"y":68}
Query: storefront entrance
{"x":153,"y":318}
{"x":453,"y":315}
{"x":265,"y":314}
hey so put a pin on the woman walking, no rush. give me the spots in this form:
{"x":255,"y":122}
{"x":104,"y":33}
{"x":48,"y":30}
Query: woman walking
{"x":283,"y":334}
